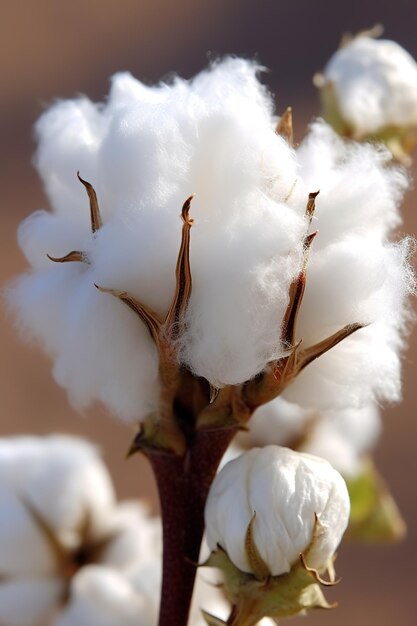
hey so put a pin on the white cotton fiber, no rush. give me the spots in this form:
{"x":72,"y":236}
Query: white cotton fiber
{"x":145,"y":151}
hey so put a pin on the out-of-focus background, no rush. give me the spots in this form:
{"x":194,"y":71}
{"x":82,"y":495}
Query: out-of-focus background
{"x":53,"y":49}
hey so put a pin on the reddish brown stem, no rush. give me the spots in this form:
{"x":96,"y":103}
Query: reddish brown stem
{"x":183,"y":488}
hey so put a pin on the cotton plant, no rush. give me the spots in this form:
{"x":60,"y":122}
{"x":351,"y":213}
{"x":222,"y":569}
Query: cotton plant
{"x":200,"y":269}
{"x":369,"y":92}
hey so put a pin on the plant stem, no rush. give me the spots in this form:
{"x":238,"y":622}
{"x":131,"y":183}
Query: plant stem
{"x":183,"y":485}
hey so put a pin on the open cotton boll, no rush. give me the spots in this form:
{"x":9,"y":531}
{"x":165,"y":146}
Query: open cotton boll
{"x":145,"y":151}
{"x":287,"y":490}
{"x":62,"y":479}
{"x":375,"y":85}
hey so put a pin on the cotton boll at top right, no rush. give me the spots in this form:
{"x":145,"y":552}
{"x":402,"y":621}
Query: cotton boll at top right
{"x":354,"y":274}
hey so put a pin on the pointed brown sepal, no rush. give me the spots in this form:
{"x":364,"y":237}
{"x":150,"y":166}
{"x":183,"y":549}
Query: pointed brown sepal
{"x":182,"y":274}
{"x":309,"y":355}
{"x":75,"y":255}
{"x":316,"y":575}
{"x":285,"y":127}
{"x":96,"y":221}
{"x":259,"y":567}
{"x":151,"y":319}
{"x":296,"y":293}
{"x":311,"y":205}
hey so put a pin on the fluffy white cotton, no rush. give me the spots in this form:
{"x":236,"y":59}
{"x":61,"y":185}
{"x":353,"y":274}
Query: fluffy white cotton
{"x":60,"y":478}
{"x":57,"y":502}
{"x":375,"y":84}
{"x":354,"y":275}
{"x":52,"y":490}
{"x":341,"y":437}
{"x":286,"y":489}
{"x":145,"y":151}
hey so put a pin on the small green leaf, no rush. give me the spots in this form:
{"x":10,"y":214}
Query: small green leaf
{"x":374,"y":514}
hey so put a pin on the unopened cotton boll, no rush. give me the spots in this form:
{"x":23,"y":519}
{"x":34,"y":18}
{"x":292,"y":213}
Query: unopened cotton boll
{"x":282,"y":493}
{"x":369,"y":89}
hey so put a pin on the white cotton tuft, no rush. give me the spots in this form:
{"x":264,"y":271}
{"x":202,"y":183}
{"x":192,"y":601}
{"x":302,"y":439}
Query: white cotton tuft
{"x":354,"y":275}
{"x":57,"y":508}
{"x":145,"y":151}
{"x":375,"y":85}
{"x":61,"y":479}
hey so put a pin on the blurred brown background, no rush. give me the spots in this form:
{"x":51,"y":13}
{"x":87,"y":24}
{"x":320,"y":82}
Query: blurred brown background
{"x":60,"y":48}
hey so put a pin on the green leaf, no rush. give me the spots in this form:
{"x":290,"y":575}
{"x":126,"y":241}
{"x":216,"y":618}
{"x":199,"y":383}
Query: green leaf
{"x":374,"y":515}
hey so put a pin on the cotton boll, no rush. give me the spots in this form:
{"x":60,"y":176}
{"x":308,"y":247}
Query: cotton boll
{"x":287,"y":490}
{"x":62,"y":479}
{"x":29,"y":602}
{"x":100,"y":596}
{"x":375,"y":84}
{"x":145,"y":151}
